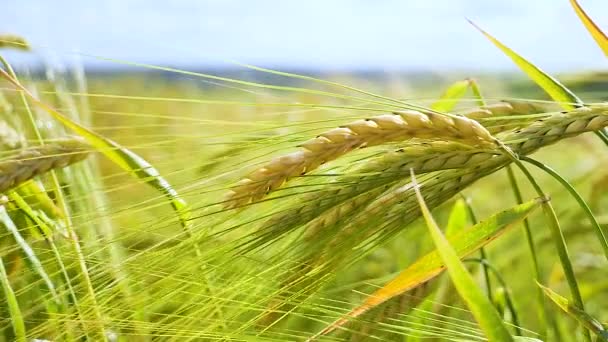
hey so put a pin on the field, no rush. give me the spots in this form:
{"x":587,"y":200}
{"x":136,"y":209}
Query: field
{"x":157,"y":204}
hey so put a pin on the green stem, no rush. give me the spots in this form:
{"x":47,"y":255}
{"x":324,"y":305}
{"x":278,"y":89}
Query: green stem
{"x":556,"y":232}
{"x":581,"y":202}
{"x":502,"y":282}
{"x":13,"y":306}
{"x":527,"y":229}
{"x":560,"y":243}
{"x":482,"y":253}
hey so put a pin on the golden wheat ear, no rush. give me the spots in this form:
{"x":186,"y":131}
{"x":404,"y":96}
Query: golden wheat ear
{"x":39,"y":160}
{"x":14,"y":42}
{"x":331,"y":145}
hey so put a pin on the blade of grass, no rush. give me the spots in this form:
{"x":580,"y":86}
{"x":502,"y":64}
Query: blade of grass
{"x":581,"y":202}
{"x":429,"y":266}
{"x":559,"y":241}
{"x":29,"y":252}
{"x":458,"y":218}
{"x":581,"y":316}
{"x":451,"y":96}
{"x":477,"y":93}
{"x":507,"y":293}
{"x":481,"y":307}
{"x":542,"y":311}
{"x":556,"y":90}
{"x":24,"y":94}
{"x":44,"y":224}
{"x":597,"y":34}
{"x":13,"y":306}
{"x":482,"y":253}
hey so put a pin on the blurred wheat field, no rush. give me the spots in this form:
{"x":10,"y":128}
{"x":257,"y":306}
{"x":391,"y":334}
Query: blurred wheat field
{"x":89,"y":251}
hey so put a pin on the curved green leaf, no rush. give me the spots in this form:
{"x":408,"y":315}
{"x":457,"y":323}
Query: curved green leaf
{"x":16,"y":317}
{"x":459,"y":218}
{"x":481,"y":307}
{"x":580,"y":315}
{"x":464,"y":242}
{"x":451,"y":96}
{"x":597,"y":34}
{"x":477,"y":93}
{"x":29,"y":252}
{"x":550,"y":85}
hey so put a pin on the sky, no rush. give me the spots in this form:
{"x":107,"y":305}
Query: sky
{"x":430,"y":35}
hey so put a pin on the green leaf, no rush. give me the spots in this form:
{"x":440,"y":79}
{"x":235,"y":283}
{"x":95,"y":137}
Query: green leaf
{"x":16,"y":318}
{"x":596,"y":32}
{"x":464,"y":242}
{"x":550,"y":85}
{"x":477,"y":93}
{"x":29,"y":252}
{"x":121,"y":156}
{"x":480,"y":306}
{"x":458,"y":219}
{"x":451,"y":96}
{"x":584,"y":318}
{"x":601,"y":237}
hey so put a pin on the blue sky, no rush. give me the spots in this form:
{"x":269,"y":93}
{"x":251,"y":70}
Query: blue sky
{"x":311,"y":34}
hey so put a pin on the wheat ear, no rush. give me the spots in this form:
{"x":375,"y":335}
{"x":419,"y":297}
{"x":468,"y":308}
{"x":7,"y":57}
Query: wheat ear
{"x":526,"y":141}
{"x":378,"y":174}
{"x":504,"y":111}
{"x":13,"y":41}
{"x":39,"y":160}
{"x":335,"y":143}
{"x":388,"y":167}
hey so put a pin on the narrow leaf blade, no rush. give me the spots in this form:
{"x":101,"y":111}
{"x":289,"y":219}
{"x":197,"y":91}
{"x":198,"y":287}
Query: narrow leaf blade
{"x":581,"y":316}
{"x":16,"y":317}
{"x":29,"y":252}
{"x":597,"y":34}
{"x":550,"y":85}
{"x":451,"y":96}
{"x":481,"y":307}
{"x":459,"y":218}
{"x":430,"y":265}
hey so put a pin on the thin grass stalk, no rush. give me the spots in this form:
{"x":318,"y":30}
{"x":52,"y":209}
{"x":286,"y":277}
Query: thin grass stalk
{"x":482,"y":253}
{"x":47,"y":233}
{"x":92,"y":180}
{"x":560,"y":244}
{"x":29,"y":252}
{"x":16,"y":317}
{"x":579,"y":199}
{"x":480,"y":306}
{"x":542,"y":309}
{"x":63,"y":205}
{"x":503,"y":283}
